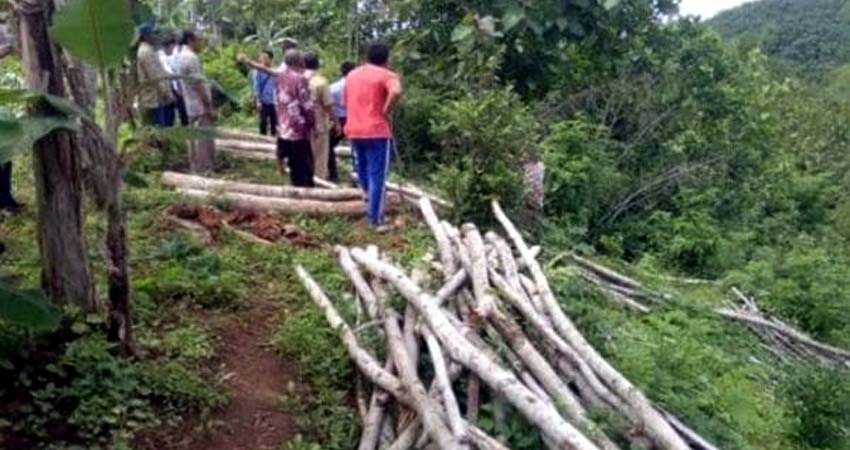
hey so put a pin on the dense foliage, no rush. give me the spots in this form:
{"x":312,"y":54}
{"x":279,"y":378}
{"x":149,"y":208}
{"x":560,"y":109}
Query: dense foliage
{"x":810,"y":35}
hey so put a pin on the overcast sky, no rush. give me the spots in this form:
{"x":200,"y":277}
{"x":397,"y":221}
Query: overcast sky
{"x":707,"y":8}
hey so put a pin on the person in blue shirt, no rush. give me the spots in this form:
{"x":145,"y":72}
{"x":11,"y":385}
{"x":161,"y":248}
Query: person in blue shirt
{"x":337,"y":135}
{"x":265,"y":86}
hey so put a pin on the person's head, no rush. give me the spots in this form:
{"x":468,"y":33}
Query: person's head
{"x":146,"y":33}
{"x":168,"y":43}
{"x":266,"y":58}
{"x":378,"y":54}
{"x":311,"y":61}
{"x":193,"y":40}
{"x":346,"y":68}
{"x":288,"y":44}
{"x":294,"y":59}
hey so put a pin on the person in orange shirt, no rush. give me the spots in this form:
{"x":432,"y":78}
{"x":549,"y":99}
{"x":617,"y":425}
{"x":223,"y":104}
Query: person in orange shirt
{"x":371,"y":92}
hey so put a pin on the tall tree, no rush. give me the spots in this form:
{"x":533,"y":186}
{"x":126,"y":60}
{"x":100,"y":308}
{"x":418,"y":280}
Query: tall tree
{"x":66,"y":275}
{"x":100,"y":32}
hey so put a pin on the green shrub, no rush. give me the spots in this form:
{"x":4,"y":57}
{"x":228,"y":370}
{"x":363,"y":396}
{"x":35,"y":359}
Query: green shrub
{"x":581,"y":176}
{"x":484,"y":139}
{"x":806,"y":284}
{"x":412,"y":126}
{"x":820,"y":399}
{"x":106,"y":399}
{"x":229,"y":77}
{"x":188,"y":272}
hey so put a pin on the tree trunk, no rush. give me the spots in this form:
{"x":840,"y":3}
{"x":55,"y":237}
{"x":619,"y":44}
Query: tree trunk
{"x":118,"y":277}
{"x":66,"y":275}
{"x":103,"y":181}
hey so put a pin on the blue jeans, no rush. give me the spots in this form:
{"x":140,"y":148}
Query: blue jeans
{"x":372,"y":159}
{"x":166,"y":115}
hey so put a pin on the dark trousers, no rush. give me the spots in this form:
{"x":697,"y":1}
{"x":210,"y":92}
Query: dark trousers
{"x":167,"y":115}
{"x":6,"y":198}
{"x":299,"y":156}
{"x":268,"y":120}
{"x":181,"y":109}
{"x":336,"y":138}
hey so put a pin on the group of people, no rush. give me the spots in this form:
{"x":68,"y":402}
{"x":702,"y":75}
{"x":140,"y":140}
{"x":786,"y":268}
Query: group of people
{"x":311,"y":116}
{"x":294,"y":102}
{"x":174,"y":88}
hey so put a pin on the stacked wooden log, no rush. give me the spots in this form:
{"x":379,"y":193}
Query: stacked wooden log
{"x":778,"y":337}
{"x":283,"y":199}
{"x":236,"y":140}
{"x":240,"y":144}
{"x":482,"y":325}
{"x":782,"y":339}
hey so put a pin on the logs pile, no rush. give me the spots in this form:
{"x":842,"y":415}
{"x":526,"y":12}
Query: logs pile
{"x":622,"y":289}
{"x":484,"y":327}
{"x":240,"y":144}
{"x":781,"y":339}
{"x":778,"y":337}
{"x":283,"y":199}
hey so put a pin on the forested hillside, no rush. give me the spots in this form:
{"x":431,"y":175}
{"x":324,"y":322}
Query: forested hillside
{"x":668,"y":267}
{"x":809,"y":35}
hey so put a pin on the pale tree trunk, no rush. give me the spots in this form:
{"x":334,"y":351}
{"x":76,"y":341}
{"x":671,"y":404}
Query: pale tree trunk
{"x":66,"y":275}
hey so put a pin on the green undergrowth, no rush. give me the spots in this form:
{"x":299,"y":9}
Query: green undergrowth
{"x":713,"y":374}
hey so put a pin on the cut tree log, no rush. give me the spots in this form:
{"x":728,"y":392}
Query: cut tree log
{"x":370,"y":368}
{"x":427,"y":410}
{"x":545,"y":416}
{"x":441,"y":378}
{"x":661,"y":432}
{"x":607,"y":274}
{"x":486,"y":303}
{"x":444,"y":245}
{"x":240,"y":145}
{"x":263,"y":190}
{"x":240,"y":135}
{"x":783,"y":337}
{"x":265,"y":156}
{"x":242,"y":154}
{"x":412,"y":192}
{"x":283,"y":205}
{"x":551,"y":383}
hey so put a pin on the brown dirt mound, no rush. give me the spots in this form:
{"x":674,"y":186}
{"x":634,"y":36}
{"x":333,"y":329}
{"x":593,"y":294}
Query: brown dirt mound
{"x":263,"y":225}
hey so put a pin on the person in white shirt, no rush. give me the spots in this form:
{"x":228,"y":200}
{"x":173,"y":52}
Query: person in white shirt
{"x":165,"y":53}
{"x":197,"y":96}
{"x":337,"y":90}
{"x":174,"y":64}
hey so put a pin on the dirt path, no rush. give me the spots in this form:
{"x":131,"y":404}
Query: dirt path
{"x":255,"y":418}
{"x":257,"y":381}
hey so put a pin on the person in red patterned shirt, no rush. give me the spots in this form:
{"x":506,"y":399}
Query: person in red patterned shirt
{"x":296,"y":122}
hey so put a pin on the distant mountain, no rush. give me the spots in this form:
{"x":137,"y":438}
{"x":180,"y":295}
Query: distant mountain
{"x":812,"y":36}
